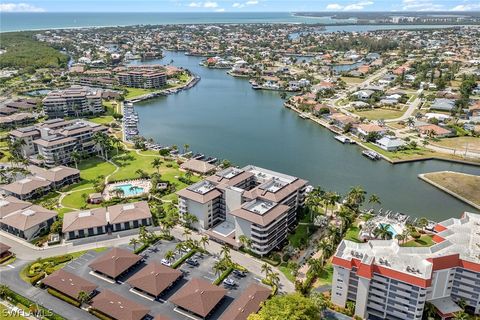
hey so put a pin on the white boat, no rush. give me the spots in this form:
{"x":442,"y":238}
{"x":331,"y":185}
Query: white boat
{"x":372,"y":155}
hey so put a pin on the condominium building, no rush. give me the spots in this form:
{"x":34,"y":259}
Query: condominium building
{"x":55,"y":140}
{"x":387,"y":281}
{"x":258,"y":203}
{"x":147,"y":79}
{"x":73,"y":102}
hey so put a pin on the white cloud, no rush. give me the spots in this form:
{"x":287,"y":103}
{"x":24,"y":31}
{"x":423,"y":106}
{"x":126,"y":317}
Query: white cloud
{"x":334,"y":6}
{"x":360,"y":5}
{"x":421,"y":5}
{"x":210,"y":4}
{"x":19,"y":7}
{"x":207,"y":4}
{"x":240,"y":5}
{"x":466,"y":7}
{"x":220,"y":10}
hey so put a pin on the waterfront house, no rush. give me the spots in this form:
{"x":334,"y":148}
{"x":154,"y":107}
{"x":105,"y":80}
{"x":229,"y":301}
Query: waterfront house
{"x":362,"y":130}
{"x":341,"y":120}
{"x":197,"y":166}
{"x":391,"y":144}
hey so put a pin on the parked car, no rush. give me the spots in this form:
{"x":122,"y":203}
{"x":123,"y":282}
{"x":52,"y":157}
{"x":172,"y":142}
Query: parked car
{"x":229,"y":282}
{"x":166,"y":262}
{"x":239,"y":273}
{"x":192,"y":262}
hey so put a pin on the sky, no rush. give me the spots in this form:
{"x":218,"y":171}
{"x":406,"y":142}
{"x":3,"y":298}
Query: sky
{"x":235,"y":5}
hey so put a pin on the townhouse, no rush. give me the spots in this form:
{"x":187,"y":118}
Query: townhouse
{"x":254,"y":202}
{"x":387,"y":281}
{"x":106,"y":220}
{"x":73,"y":102}
{"x":24,"y":219}
{"x":41,"y":182}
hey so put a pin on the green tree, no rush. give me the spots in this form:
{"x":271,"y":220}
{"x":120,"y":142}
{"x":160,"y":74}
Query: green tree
{"x":289,"y":306}
{"x":156,"y":164}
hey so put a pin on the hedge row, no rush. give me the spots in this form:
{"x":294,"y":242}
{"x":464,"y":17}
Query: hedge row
{"x":15,"y":299}
{"x":223,"y":276}
{"x":141,"y":248}
{"x":182,"y":259}
{"x":99,"y":315}
{"x":5,"y":259}
{"x":63,"y":297}
{"x":34,"y":279}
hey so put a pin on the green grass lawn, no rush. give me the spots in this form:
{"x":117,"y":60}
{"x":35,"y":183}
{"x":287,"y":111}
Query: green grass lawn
{"x":5,"y":315}
{"x":417,"y":153}
{"x":287,"y":272}
{"x":352,"y":234}
{"x":424,"y":241}
{"x":136,"y":92}
{"x":380,"y":113}
{"x":326,"y":276}
{"x":102,"y":119}
{"x":302,"y":232}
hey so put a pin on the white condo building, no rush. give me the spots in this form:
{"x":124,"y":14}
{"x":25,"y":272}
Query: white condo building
{"x":387,"y":281}
{"x":258,"y":203}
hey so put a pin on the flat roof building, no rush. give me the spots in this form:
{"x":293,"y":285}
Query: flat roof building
{"x":73,"y":102}
{"x":258,"y":203}
{"x":387,"y":281}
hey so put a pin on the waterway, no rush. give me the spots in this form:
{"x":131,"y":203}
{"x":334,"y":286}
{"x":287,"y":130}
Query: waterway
{"x":222,"y":116}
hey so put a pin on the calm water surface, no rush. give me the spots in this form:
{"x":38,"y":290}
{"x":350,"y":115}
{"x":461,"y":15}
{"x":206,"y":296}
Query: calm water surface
{"x":223,"y":117}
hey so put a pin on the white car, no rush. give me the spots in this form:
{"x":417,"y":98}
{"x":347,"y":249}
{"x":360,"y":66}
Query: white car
{"x":165,"y":262}
{"x":229,"y":282}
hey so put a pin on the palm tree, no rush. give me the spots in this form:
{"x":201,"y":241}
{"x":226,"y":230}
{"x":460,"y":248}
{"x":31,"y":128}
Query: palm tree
{"x":267,"y":269}
{"x":316,"y":266}
{"x":4,"y":290}
{"x":382,"y":231}
{"x":422,"y":222}
{"x":134,"y":242}
{"x":355,"y":197}
{"x":326,"y":248}
{"x":186,"y":147}
{"x":204,"y":241}
{"x":245,"y":241}
{"x":186,"y":233}
{"x":75,"y":155}
{"x":374,"y":199}
{"x":330,"y":199}
{"x":313,"y":200}
{"x":83,"y":297}
{"x":156,"y":164}
{"x":274,"y":279}
{"x":143,"y":234}
{"x":400,"y":237}
{"x":225,"y":252}
{"x":461,"y":315}
{"x":410,"y":121}
{"x":169,"y":255}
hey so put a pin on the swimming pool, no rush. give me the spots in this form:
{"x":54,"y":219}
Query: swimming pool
{"x":130,"y":190}
{"x":390,"y":228}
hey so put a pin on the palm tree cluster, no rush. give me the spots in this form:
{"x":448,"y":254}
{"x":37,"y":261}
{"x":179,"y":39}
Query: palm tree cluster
{"x":106,"y":143}
{"x":271,"y":278}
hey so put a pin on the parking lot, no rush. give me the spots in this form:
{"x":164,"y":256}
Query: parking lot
{"x":204,"y":270}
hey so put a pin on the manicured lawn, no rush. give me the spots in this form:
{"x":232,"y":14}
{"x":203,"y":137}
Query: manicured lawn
{"x":287,"y":272}
{"x":136,"y":92}
{"x":102,"y":119}
{"x":326,"y":276}
{"x":352,"y":234}
{"x":302,"y":232}
{"x":417,"y":153}
{"x":464,"y":185}
{"x":380,"y":113}
{"x":5,"y":315}
{"x":423,"y":241}
{"x":75,"y":199}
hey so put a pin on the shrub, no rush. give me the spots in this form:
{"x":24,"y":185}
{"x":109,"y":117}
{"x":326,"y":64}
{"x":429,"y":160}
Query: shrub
{"x":416,"y":235}
{"x":182,"y":259}
{"x":222,"y":276}
{"x":63,"y":297}
{"x":141,"y":248}
{"x":34,"y":280}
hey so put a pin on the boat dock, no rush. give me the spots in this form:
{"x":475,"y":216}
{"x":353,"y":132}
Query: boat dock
{"x":344,"y":139}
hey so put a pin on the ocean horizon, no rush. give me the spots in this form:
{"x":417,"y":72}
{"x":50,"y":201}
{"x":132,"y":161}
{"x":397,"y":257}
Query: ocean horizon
{"x":16,"y":21}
